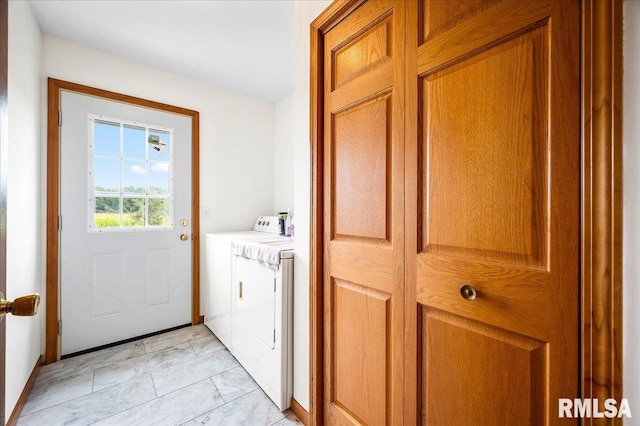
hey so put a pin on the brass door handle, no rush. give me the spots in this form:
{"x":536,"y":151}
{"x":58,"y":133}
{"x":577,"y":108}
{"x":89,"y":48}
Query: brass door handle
{"x":184,"y":237}
{"x":468,"y":292}
{"x":25,"y":306}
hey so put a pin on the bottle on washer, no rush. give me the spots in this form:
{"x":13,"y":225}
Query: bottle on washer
{"x":282,"y":222}
{"x":287,"y":223}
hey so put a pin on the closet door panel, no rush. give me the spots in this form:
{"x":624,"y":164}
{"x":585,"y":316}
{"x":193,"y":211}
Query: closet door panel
{"x":363,"y":216}
{"x":497,"y":209}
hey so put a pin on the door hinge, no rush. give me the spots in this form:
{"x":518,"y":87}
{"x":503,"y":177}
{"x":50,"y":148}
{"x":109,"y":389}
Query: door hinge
{"x":274,"y":285}
{"x":60,"y":223}
{"x":59,"y":118}
{"x":60,"y":328}
{"x":274,"y":335}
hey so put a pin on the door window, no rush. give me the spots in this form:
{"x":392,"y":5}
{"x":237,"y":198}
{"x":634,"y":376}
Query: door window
{"x":130,"y":175}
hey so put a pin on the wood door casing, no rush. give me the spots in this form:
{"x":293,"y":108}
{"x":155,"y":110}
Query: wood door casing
{"x":363,"y":216}
{"x":602,"y":222}
{"x":498,"y":197}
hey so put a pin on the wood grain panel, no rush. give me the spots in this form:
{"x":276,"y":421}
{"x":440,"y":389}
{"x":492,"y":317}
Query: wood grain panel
{"x":361,"y":150}
{"x":493,"y":26}
{"x":512,"y":298}
{"x":360,"y":337}
{"x":368,"y":50}
{"x":486,"y":162}
{"x":439,"y":16}
{"x":363,"y":16}
{"x":495,"y":377}
{"x":375,"y":82}
{"x":364,"y":263}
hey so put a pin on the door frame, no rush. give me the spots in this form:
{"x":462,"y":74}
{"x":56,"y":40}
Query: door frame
{"x":55,"y":87}
{"x":601,"y":211}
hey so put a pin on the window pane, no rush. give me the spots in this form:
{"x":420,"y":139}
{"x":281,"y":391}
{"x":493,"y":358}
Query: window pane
{"x":107,"y":213}
{"x":106,"y":138}
{"x":158,"y":178}
{"x":132,"y":212}
{"x":133,"y":142}
{"x":158,"y":144}
{"x":133,"y":177}
{"x":106,"y":175}
{"x":159,"y":212}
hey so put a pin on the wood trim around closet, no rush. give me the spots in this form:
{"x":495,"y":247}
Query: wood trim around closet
{"x":52,"y":345}
{"x":601,"y":363}
{"x":601,"y":234}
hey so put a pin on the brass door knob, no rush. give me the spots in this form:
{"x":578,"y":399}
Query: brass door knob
{"x":184,"y":237}
{"x":468,"y":292}
{"x":25,"y":306}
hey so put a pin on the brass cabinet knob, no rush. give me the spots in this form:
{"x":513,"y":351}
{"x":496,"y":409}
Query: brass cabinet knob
{"x":25,"y":306}
{"x":468,"y":292}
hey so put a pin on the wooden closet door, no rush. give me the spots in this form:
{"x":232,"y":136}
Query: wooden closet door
{"x":494,"y":197}
{"x":363,"y":216}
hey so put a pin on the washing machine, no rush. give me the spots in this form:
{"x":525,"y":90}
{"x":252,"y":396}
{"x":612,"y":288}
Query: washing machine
{"x":248,"y":294}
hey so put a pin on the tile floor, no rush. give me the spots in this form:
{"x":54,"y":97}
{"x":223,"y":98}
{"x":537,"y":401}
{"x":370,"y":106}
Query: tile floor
{"x":183,"y":377}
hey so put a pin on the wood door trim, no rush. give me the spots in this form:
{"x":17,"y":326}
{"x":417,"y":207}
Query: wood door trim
{"x":601,"y":233}
{"x":601,"y":363}
{"x":52,"y":345}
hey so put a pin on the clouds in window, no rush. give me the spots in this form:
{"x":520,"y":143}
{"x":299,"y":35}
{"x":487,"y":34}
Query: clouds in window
{"x":137,"y":169}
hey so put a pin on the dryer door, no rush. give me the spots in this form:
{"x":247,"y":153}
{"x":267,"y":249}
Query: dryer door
{"x":255,"y":300}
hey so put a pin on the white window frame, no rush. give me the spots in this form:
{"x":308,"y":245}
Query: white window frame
{"x":120,"y":195}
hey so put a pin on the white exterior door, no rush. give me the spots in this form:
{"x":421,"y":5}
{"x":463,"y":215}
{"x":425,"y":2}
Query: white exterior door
{"x":125,"y":202}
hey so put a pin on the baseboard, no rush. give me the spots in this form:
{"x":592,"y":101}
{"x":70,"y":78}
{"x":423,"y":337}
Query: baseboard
{"x":25,"y":393}
{"x":300,"y":412}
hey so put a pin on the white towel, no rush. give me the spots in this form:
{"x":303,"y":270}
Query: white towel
{"x":264,"y":250}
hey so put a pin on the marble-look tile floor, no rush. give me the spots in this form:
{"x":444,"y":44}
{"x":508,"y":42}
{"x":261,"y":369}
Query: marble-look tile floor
{"x":183,"y":377}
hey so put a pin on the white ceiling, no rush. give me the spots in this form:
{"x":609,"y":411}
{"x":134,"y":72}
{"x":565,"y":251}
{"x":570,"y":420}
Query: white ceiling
{"x":246,"y":46}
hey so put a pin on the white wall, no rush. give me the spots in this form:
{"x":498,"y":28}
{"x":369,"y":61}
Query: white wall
{"x":236,"y":131}
{"x":306,"y":12}
{"x":631,"y":219}
{"x":24,"y":275}
{"x":283,"y":152}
